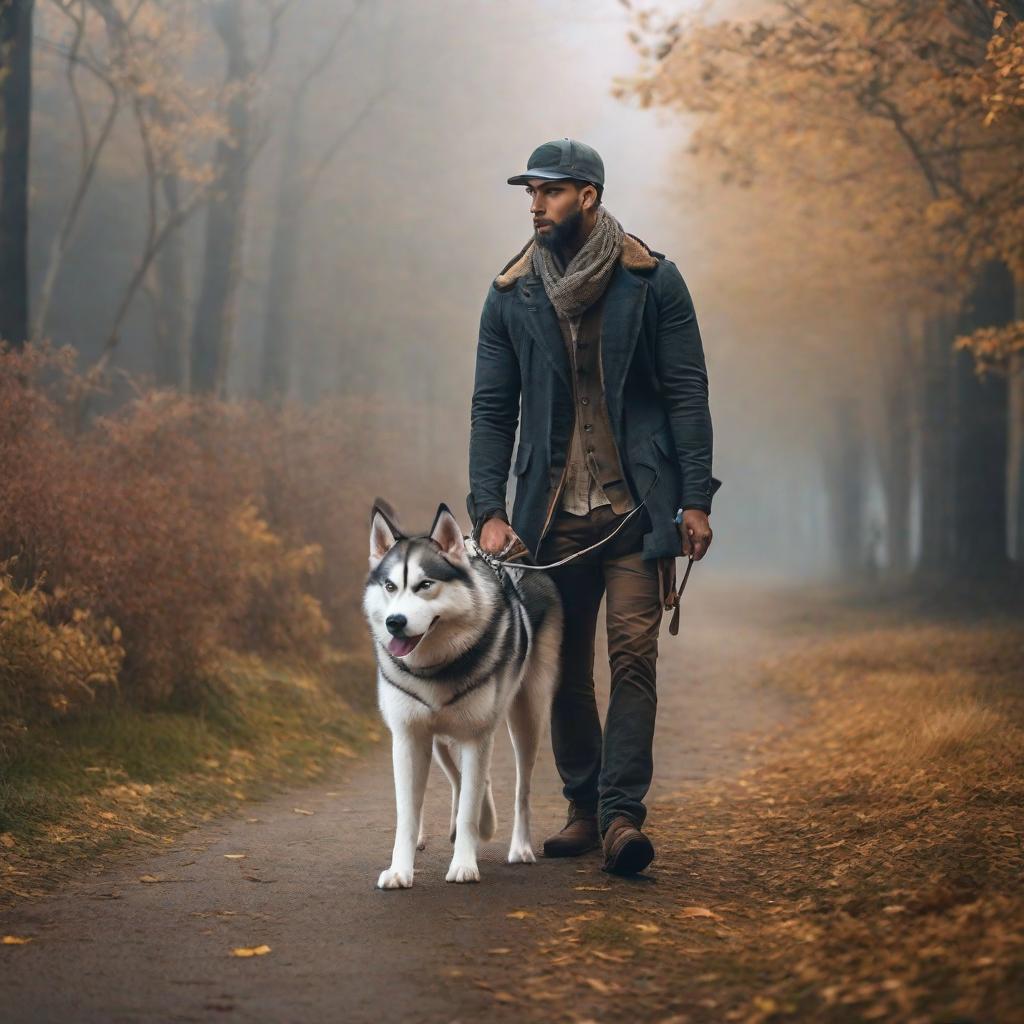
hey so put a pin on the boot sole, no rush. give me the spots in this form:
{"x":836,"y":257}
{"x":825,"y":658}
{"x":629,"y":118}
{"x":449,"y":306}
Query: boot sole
{"x":634,"y":856}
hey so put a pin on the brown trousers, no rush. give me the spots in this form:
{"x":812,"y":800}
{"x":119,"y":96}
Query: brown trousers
{"x":611,"y":773}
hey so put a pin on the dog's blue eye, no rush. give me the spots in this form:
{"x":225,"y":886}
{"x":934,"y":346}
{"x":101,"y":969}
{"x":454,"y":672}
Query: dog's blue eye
{"x":425,"y":584}
{"x":389,"y":586}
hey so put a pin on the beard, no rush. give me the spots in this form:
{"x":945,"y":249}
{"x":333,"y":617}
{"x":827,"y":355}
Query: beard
{"x":562,"y":234}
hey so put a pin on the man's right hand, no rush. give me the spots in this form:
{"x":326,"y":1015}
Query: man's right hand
{"x":497,"y":537}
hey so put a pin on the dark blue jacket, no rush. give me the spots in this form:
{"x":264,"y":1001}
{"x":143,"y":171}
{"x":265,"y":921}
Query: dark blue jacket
{"x":655,"y":385}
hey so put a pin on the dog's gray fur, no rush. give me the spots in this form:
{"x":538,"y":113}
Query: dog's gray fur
{"x":489,"y":651}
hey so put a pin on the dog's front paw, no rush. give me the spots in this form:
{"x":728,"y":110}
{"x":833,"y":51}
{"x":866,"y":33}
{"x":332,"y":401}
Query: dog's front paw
{"x":463,"y":873}
{"x":421,"y":843}
{"x":394,"y":878}
{"x":521,"y":853}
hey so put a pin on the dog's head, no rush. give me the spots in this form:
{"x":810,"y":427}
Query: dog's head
{"x":420,"y":589}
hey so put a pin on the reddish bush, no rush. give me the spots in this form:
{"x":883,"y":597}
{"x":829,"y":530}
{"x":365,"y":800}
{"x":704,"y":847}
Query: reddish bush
{"x":188,"y":522}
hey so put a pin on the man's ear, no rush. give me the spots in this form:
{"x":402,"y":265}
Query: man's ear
{"x":384,"y":531}
{"x":447,"y":533}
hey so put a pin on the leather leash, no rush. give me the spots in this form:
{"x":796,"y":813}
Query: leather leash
{"x":672,"y":599}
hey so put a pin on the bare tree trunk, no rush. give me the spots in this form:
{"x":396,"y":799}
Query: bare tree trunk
{"x":936,"y":439}
{"x":845,"y":486}
{"x":1015,"y":457}
{"x":213,"y":328}
{"x":896,"y":451}
{"x":170,"y":357}
{"x":980,"y":439}
{"x":16,"y":99}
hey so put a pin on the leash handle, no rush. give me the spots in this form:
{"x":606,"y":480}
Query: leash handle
{"x":673,"y":626}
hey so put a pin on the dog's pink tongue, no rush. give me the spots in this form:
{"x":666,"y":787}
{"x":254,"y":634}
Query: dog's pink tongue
{"x":400,"y":646}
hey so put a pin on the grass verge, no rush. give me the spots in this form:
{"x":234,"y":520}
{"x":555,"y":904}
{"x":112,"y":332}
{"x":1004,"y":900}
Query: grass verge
{"x":75,"y":792}
{"x":869,"y":867}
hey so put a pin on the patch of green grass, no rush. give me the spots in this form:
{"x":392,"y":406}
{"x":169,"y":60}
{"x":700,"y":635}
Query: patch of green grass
{"x":71,"y":790}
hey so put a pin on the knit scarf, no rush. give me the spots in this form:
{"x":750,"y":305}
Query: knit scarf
{"x":576,"y":286}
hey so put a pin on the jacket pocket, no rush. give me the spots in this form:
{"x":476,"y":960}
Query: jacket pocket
{"x":523,"y":453}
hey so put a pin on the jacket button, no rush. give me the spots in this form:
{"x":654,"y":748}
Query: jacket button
{"x":588,"y":426}
{"x":584,"y":400}
{"x":590,"y":448}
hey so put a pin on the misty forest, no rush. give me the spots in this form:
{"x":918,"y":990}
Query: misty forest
{"x":244,"y":248}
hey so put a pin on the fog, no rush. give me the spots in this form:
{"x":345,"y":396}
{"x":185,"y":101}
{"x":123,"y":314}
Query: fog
{"x":394,"y":162}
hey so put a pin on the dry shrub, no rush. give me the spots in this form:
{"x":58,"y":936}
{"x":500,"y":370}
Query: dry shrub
{"x":280,"y":617}
{"x":193,"y":523}
{"x":51,"y":667}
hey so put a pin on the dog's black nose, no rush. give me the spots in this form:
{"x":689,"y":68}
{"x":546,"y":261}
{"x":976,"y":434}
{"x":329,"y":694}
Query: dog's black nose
{"x":395,"y":624}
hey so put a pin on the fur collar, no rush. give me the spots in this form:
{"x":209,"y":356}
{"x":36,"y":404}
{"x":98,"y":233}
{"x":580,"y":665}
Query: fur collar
{"x":636,"y":255}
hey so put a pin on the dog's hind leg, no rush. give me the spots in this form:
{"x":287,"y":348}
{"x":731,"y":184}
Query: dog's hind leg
{"x":410,"y":754}
{"x":421,"y":839}
{"x":488,"y":814}
{"x":526,"y":716}
{"x":443,"y":754}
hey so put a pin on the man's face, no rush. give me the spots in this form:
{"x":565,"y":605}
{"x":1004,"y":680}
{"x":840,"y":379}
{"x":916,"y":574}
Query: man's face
{"x":557,"y":210}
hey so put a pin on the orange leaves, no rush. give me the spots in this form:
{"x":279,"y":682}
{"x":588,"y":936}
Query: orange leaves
{"x":698,"y":912}
{"x":249,"y":951}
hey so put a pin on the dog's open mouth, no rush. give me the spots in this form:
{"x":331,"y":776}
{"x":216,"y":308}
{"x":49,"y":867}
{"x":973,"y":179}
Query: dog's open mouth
{"x":400,"y":646}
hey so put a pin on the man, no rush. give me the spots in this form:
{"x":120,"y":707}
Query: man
{"x":596,"y":334}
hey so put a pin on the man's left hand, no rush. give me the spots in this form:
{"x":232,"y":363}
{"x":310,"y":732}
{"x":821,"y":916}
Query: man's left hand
{"x":696,"y":533}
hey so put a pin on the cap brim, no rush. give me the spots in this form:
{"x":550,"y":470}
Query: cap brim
{"x":524,"y":179}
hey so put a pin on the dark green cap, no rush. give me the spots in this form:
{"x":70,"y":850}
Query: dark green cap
{"x":563,"y":158}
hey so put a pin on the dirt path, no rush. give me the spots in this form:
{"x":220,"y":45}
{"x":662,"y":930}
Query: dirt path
{"x":113,"y":948}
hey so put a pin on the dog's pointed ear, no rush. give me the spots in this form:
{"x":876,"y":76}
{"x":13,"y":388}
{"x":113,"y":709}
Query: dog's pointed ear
{"x":385,"y":532}
{"x":447,"y":533}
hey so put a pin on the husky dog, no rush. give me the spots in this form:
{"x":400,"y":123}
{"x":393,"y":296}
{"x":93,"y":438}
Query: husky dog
{"x":458,"y":649}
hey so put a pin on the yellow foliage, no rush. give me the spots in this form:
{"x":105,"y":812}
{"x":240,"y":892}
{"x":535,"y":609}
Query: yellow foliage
{"x":48,"y":666}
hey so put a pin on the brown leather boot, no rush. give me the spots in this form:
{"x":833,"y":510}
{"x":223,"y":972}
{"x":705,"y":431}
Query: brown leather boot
{"x":626,"y":849}
{"x":579,"y":835}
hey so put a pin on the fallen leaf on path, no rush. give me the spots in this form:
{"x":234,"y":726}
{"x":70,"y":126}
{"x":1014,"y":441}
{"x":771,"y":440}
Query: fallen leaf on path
{"x":504,"y":997}
{"x":150,"y":879}
{"x":592,"y":888}
{"x":234,"y":856}
{"x":615,"y":958}
{"x":500,"y":951}
{"x":302,"y":810}
{"x":6,"y":839}
{"x":697,"y":912}
{"x":647,"y":929}
{"x":256,"y":878}
{"x":520,"y":914}
{"x":13,"y":940}
{"x":600,"y":986}
{"x":252,"y":821}
{"x":250,"y":950}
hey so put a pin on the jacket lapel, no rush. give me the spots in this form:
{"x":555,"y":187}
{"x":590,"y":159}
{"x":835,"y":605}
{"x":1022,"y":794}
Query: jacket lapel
{"x":620,"y":328}
{"x":544,"y":329}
